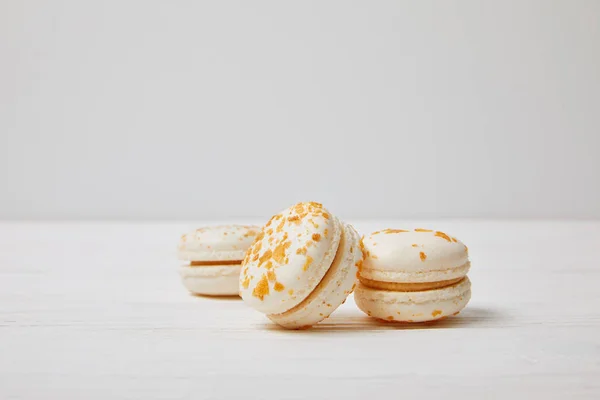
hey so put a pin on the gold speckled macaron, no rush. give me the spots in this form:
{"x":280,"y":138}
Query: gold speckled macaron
{"x":301,"y":267}
{"x":413,"y":276}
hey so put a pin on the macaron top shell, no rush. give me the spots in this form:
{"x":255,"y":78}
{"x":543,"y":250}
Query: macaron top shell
{"x":420,"y":255}
{"x":289,"y":258}
{"x":217,"y":243}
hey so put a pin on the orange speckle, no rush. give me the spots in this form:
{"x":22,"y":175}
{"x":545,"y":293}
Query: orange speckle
{"x":301,"y":250}
{"x":316,"y":237}
{"x":257,"y":247}
{"x":278,"y":287}
{"x":325,"y":215}
{"x":443,"y":236}
{"x":359,"y":264}
{"x":279,"y":252}
{"x":260,"y":236}
{"x":435,"y":313}
{"x":270,"y":231}
{"x":291,"y":292}
{"x":415,"y":245}
{"x":294,"y":218}
{"x":326,"y":232}
{"x":280,"y":226}
{"x":423,"y":230}
{"x":390,"y":318}
{"x":422,"y":256}
{"x":309,"y":260}
{"x":262,"y":288}
{"x":299,"y":208}
{"x":265,"y":257}
{"x":246,"y":283}
{"x":365,"y":252}
{"x":388,"y":231}
{"x":225,"y":233}
{"x":271,"y":275}
{"x":250,"y":233}
{"x":314,"y":224}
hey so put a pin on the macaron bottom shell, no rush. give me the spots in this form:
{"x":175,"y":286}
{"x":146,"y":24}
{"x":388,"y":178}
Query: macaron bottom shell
{"x":211,"y":280}
{"x":422,"y":306}
{"x":331,"y":292}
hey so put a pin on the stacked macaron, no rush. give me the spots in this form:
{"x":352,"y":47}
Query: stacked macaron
{"x":413,"y":276}
{"x":213,"y":256}
{"x":301,"y":267}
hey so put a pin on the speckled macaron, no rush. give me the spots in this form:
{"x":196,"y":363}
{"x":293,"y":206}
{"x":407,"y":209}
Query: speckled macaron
{"x":213,"y":256}
{"x":413,"y":276}
{"x":301,"y":267}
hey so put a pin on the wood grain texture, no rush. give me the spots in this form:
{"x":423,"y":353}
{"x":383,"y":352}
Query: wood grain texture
{"x":97,"y":311}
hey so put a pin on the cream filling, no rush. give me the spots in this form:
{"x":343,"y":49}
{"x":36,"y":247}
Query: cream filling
{"x":214,"y":263}
{"x":408,"y":287}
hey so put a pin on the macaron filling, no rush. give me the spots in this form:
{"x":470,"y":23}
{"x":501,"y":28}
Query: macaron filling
{"x":388,"y":273}
{"x":214,"y":263}
{"x":408,"y":287}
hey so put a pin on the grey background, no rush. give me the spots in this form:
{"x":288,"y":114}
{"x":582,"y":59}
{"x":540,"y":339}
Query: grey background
{"x":181,"y":109}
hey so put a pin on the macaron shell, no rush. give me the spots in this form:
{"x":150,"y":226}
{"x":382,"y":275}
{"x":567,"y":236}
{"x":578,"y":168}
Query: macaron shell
{"x":413,"y":306}
{"x":217,"y":243}
{"x":396,"y":255}
{"x":218,"y":280}
{"x":289,"y":258}
{"x":332,"y":291}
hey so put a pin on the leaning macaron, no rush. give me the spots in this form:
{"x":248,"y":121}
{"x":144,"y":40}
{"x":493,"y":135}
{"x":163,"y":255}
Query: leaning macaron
{"x":301,"y":267}
{"x":213,"y":256}
{"x":413,"y":276}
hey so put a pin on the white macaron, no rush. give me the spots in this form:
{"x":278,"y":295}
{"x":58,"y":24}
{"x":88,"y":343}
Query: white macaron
{"x":213,"y":256}
{"x":301,"y":267}
{"x":413,"y":276}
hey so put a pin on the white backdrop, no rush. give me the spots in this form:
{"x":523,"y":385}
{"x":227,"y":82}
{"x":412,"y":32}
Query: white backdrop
{"x":182,"y":109}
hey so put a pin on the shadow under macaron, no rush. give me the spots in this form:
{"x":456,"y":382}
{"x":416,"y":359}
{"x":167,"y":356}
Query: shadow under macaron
{"x":348,"y":321}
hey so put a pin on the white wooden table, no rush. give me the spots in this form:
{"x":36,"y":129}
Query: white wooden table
{"x":96,"y":311}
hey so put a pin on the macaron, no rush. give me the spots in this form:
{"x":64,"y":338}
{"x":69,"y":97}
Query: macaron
{"x":413,"y":276}
{"x":301,"y":267}
{"x":213,"y":256}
